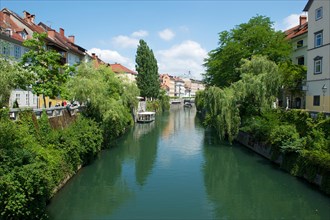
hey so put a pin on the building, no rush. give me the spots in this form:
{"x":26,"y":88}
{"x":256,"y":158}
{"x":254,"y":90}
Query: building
{"x":180,"y":87}
{"x":318,"y":56}
{"x":167,"y":83}
{"x":123,"y":72}
{"x":298,"y":37}
{"x":196,"y":85}
{"x":14,"y":30}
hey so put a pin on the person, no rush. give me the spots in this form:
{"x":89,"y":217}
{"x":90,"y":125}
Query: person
{"x":68,"y":109}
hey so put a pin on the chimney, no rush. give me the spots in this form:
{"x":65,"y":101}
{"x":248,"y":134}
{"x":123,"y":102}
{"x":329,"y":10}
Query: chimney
{"x":26,"y":14}
{"x":51,"y":33}
{"x":62,"y":32}
{"x":28,"y":17}
{"x":32,"y":18}
{"x":302,"y":19}
{"x":71,"y":38}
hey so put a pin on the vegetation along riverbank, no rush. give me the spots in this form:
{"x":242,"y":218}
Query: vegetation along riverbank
{"x":245,"y":98}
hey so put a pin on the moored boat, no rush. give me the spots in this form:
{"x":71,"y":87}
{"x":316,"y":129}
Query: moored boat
{"x":145,"y":117}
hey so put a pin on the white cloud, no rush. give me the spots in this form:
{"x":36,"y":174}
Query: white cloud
{"x":140,"y":33}
{"x":182,"y":58}
{"x":166,"y":34}
{"x":288,"y":22}
{"x":125,"y":41}
{"x":110,"y":56}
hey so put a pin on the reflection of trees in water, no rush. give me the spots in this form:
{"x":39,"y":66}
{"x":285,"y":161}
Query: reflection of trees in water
{"x":146,"y":158}
{"x":140,"y":145}
{"x":97,"y":191}
{"x":241,"y":189}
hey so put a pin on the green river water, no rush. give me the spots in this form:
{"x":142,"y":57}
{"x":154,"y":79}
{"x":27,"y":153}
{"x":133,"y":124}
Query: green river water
{"x":173,"y":168}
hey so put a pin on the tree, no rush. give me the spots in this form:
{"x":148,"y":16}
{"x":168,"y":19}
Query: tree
{"x":146,"y":65}
{"x":109,"y":101}
{"x":292,"y":76}
{"x":49,"y":73}
{"x":12,"y":76}
{"x":224,"y":108}
{"x":257,"y":37}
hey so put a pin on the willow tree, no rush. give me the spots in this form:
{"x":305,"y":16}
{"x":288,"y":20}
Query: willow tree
{"x":108,"y":99}
{"x":224,"y":108}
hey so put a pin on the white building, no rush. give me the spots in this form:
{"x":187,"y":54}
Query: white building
{"x":318,"y":62}
{"x":298,"y":37}
{"x":14,"y":30}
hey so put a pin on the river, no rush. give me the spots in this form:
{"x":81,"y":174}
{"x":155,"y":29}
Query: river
{"x":173,"y":168}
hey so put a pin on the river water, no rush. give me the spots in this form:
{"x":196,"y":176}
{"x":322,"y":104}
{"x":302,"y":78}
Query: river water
{"x":174,"y":168}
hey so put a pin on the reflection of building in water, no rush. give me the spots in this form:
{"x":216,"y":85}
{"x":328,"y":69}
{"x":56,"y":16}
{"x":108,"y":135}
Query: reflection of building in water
{"x":142,"y":129}
{"x":182,"y":118}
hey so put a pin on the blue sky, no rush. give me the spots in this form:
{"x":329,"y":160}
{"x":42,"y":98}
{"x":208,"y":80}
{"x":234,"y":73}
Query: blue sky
{"x":180,"y":33}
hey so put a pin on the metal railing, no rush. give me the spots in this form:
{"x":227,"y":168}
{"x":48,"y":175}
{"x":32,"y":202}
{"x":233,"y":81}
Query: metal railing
{"x":51,"y":112}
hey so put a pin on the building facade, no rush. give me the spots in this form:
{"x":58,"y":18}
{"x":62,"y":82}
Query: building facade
{"x":318,"y":53}
{"x":14,"y":30}
{"x":124,"y":73}
{"x":298,"y":37}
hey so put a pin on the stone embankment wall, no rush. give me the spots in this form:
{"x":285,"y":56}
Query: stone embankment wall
{"x":63,"y":120}
{"x":246,"y":140}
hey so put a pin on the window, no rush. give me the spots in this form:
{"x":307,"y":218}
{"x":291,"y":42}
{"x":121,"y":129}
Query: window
{"x":23,"y":35}
{"x":318,"y":36}
{"x":27,"y":99}
{"x":18,"y":97}
{"x":6,"y":50}
{"x":17,"y":52}
{"x":301,"y":60}
{"x":316,"y":100}
{"x":317,"y":65}
{"x":318,"y":13}
{"x":300,"y":43}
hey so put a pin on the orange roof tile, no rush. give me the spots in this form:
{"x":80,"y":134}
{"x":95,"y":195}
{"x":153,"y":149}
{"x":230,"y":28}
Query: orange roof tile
{"x":7,"y":23}
{"x":118,"y":68}
{"x":296,"y":31}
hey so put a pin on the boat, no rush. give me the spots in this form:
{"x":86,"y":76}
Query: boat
{"x":145,"y":117}
{"x":187,"y":105}
{"x":176,"y":102}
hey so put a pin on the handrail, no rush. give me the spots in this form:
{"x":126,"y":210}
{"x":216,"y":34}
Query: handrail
{"x":51,"y":112}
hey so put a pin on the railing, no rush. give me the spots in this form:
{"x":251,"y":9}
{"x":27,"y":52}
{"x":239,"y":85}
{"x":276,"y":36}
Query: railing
{"x":51,"y":112}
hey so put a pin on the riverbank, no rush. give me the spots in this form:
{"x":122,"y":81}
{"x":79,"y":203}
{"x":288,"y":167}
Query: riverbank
{"x":174,"y":168}
{"x":36,"y":159}
{"x":295,"y":163}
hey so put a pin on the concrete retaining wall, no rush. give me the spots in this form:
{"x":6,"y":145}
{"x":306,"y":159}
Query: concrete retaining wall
{"x":246,"y":140}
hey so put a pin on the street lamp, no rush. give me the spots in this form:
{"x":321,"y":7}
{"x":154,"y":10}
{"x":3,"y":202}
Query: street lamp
{"x":324,"y":90}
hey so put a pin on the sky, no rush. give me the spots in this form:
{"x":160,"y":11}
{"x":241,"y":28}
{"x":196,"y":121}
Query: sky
{"x":180,"y":32}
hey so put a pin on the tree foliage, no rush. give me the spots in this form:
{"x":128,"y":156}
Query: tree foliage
{"x":256,"y":37}
{"x":109,"y":101}
{"x":45,"y":63}
{"x":292,"y":76}
{"x":35,"y":159}
{"x":12,"y":77}
{"x":225,"y":107}
{"x":146,"y":65}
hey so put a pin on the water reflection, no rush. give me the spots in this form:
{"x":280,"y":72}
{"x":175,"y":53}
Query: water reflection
{"x":173,"y":168}
{"x":241,"y":188}
{"x":101,"y":183}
